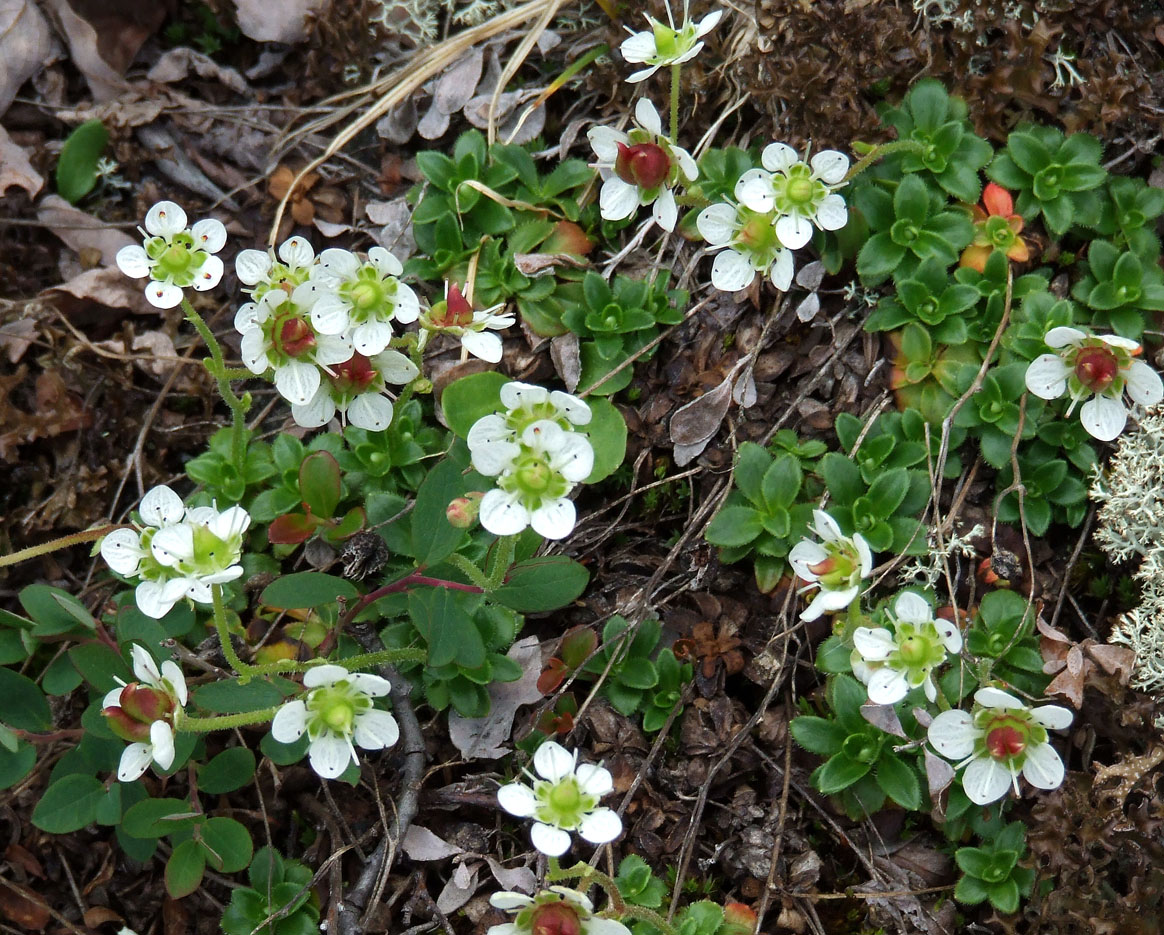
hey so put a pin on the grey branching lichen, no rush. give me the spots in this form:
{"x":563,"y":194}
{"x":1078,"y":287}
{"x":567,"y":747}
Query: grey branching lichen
{"x":1131,"y":523}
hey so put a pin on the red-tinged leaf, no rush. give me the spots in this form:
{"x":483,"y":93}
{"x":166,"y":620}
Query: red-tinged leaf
{"x":552,"y":676}
{"x":290,"y":529}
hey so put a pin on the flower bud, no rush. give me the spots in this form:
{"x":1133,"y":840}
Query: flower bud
{"x":646,"y":165}
{"x":355,"y":375}
{"x":125,"y":726}
{"x":1005,"y":742}
{"x":555,"y":919}
{"x":145,"y":704}
{"x":462,"y":511}
{"x":1096,"y":368}
{"x":295,"y":337}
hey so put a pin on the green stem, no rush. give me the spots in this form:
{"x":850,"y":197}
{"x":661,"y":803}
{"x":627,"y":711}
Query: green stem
{"x":362,"y":661}
{"x":502,"y":559}
{"x":587,"y":875}
{"x":188,"y":724}
{"x":232,"y":658}
{"x":471,"y":571}
{"x":880,"y":151}
{"x":222,"y":375}
{"x":52,"y":545}
{"x":675,"y":69}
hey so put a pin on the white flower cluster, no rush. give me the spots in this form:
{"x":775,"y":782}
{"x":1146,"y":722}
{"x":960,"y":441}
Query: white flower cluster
{"x":537,"y":455}
{"x":323,"y":325}
{"x":776,"y":209}
{"x":893,"y":662}
{"x":177,"y":552}
{"x":174,"y":257}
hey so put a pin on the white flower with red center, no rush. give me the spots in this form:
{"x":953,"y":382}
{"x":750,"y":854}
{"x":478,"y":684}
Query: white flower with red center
{"x":338,"y":714}
{"x":642,"y":167}
{"x":999,"y":741}
{"x":836,"y":566}
{"x":747,"y":244}
{"x":361,"y":300}
{"x":557,"y":910}
{"x":277,"y":334}
{"x":262,"y":271}
{"x":563,"y":797}
{"x":174,"y":257}
{"x":142,"y":713}
{"x":802,"y":194}
{"x":474,"y":328}
{"x":1097,"y":366}
{"x":355,"y":389}
{"x":666,"y":44}
{"x":893,"y":662}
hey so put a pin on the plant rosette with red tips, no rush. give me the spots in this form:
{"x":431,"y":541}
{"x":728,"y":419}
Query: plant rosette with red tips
{"x":999,"y":741}
{"x":996,"y":227}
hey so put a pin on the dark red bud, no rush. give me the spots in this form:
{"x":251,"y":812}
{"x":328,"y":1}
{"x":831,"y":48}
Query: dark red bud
{"x":296,"y":337}
{"x":355,"y":375}
{"x":555,"y":919}
{"x":145,"y":704}
{"x":126,"y":727}
{"x":458,"y":311}
{"x":1096,"y":368}
{"x":646,"y":165}
{"x":1005,"y":742}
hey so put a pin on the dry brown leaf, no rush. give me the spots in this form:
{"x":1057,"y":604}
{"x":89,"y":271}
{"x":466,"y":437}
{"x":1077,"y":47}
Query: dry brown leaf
{"x":698,"y":420}
{"x":15,"y":169}
{"x":176,"y":64}
{"x":23,"y":907}
{"x":82,"y":231}
{"x":106,"y":286}
{"x":128,"y":110}
{"x":421,"y":844}
{"x":25,"y":44}
{"x":433,"y":124}
{"x":564,"y":352}
{"x":99,"y":915}
{"x":456,"y":86}
{"x":104,"y":80}
{"x":484,"y":737}
{"x":276,"y":20}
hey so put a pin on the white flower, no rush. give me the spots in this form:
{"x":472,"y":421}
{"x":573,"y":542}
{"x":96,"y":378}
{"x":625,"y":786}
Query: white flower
{"x":174,"y":257}
{"x":747,"y":244}
{"x":557,"y":909}
{"x":837,"y":565}
{"x":455,"y":315}
{"x":201,"y":551}
{"x":999,"y":740}
{"x":356,"y":390}
{"x":1097,"y":366}
{"x":261,"y":270}
{"x":643,"y":167}
{"x":665,"y":44}
{"x":125,"y":549}
{"x":337,"y":711}
{"x":564,"y":799}
{"x":801,"y":194}
{"x":361,"y":300}
{"x":893,"y":663}
{"x":142,"y":712}
{"x":277,"y":334}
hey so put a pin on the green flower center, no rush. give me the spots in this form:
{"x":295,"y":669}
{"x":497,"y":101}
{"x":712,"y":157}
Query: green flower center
{"x":666,"y":40}
{"x":534,"y":476}
{"x":801,"y":191}
{"x":757,"y":234}
{"x":334,"y":709}
{"x":176,"y":260}
{"x":212,"y":554}
{"x":563,"y":804}
{"x":366,"y":294}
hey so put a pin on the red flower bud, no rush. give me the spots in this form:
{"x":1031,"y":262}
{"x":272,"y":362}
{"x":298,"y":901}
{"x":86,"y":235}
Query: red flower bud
{"x":145,"y":704}
{"x":126,"y":727}
{"x":555,"y":919}
{"x":458,"y":311}
{"x":1005,"y":742}
{"x":295,"y":337}
{"x":355,"y":375}
{"x":462,"y":511}
{"x":1096,"y":368}
{"x":646,"y":165}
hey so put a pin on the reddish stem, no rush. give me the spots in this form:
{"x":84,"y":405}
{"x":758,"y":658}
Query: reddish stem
{"x":404,"y":584}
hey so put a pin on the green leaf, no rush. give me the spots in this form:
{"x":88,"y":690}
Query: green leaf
{"x":970,"y":891}
{"x":1004,"y":896}
{"x":782,"y":482}
{"x":77,"y":166}
{"x":156,"y":818}
{"x":306,"y":589}
{"x":434,"y":538}
{"x":22,"y":703}
{"x":638,"y":673}
{"x":54,"y":611}
{"x":231,"y":769}
{"x":540,"y":584}
{"x":751,"y":464}
{"x":228,"y":844}
{"x":99,"y":664}
{"x":185,"y":868}
{"x":16,"y":764}
{"x":888,"y":490}
{"x":842,"y":477}
{"x":319,"y":483}
{"x":838,"y":773}
{"x":607,"y":432}
{"x":437,"y":168}
{"x":68,"y":804}
{"x":818,"y":735}
{"x":232,"y":697}
{"x":471,"y":398}
{"x":833,"y":656}
{"x":445,"y":627}
{"x":898,"y":781}
{"x":734,"y":526}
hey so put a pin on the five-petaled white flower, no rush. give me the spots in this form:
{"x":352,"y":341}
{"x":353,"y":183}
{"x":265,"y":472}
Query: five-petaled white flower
{"x":262,"y":271}
{"x":337,"y":715}
{"x":801,"y":194}
{"x":1098,"y":366}
{"x":564,"y":799}
{"x":893,"y":663}
{"x":142,"y":712}
{"x":642,"y":167}
{"x":361,"y":300}
{"x":174,"y":257}
{"x":557,"y":910}
{"x":667,"y":44}
{"x":999,"y":740}
{"x":356,"y":389}
{"x":747,"y":244}
{"x":836,"y":565}
{"x":474,"y":328}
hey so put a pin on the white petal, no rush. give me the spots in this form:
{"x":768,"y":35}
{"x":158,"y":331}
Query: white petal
{"x":665,"y":211}
{"x":374,"y":686}
{"x":830,"y":166}
{"x":490,"y":459}
{"x":395,"y":368}
{"x":575,"y":897}
{"x":990,"y":697}
{"x":252,"y":266}
{"x":1042,"y":767}
{"x":172,"y":674}
{"x":1144,"y":384}
{"x":912,"y":608}
{"x":253,"y":351}
{"x":407,"y":308}
{"x":144,"y":667}
{"x":230,"y":523}
{"x":209,"y":234}
{"x":501,"y":514}
{"x":209,"y":274}
{"x":553,"y":842}
{"x":553,"y":762}
{"x":154,"y":599}
{"x":778,"y":156}
{"x":515,"y":394}
{"x":617,"y":200}
{"x":1047,"y":376}
{"x":135,"y":760}
{"x":172,"y":544}
{"x":122,"y":551}
{"x":576,"y":411}
{"x":509,"y":900}
{"x":333,"y":349}
{"x":1052,"y":716}
{"x":887,"y":686}
{"x":371,"y":337}
{"x":376,"y":730}
{"x":574,"y":460}
{"x":517,"y":799}
{"x":483,"y":344}
{"x":1103,"y":417}
{"x":1062,"y":336}
{"x":554,"y":519}
{"x":803,"y":554}
{"x":782,"y":270}
{"x":326,"y":674}
{"x":873,"y":643}
{"x":687,"y":165}
{"x":296,"y":252}
{"x":594,"y":779}
{"x":330,"y":756}
{"x":600,"y":826}
{"x":133,"y":261}
{"x":749,"y":180}
{"x":953,"y":734}
{"x":371,"y":412}
{"x":297,"y":381}
{"x":985,"y":781}
{"x":604,"y":141}
{"x":864,"y":553}
{"x":826,"y":527}
{"x":732,"y":271}
{"x":832,"y":213}
{"x":289,"y":722}
{"x":647,"y":117}
{"x":639,"y":47}
{"x":708,"y":23}
{"x":330,"y":313}
{"x":488,"y":430}
{"x":319,"y":411}
{"x":384,"y":262}
{"x":162,"y":742}
{"x":950,"y":634}
{"x":794,"y":231}
{"x":600,"y":926}
{"x":165,"y":219}
{"x":339,"y":263}
{"x":757,"y":195}
{"x":163,"y":294}
{"x":161,"y":507}
{"x":112,"y":697}
{"x":717,"y":223}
